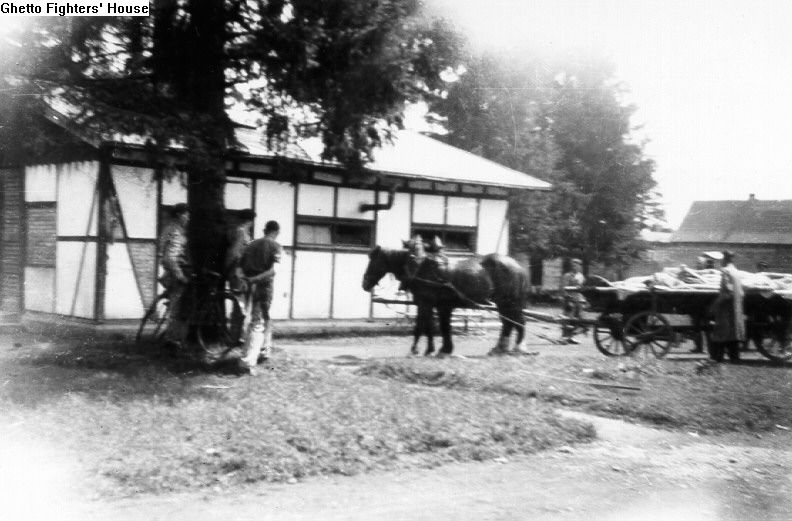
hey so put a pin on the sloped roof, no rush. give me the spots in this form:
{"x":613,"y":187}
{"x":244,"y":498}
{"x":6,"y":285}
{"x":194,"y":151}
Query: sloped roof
{"x":737,"y":222}
{"x":410,"y":154}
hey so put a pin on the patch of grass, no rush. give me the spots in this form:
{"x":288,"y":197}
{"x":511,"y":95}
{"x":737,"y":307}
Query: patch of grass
{"x":672,"y":394}
{"x":147,"y":427}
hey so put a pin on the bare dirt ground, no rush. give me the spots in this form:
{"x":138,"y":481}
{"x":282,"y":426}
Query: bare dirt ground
{"x":631,"y":472}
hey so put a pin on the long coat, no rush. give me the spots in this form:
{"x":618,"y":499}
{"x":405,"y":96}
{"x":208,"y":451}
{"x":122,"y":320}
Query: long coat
{"x":728,"y":308}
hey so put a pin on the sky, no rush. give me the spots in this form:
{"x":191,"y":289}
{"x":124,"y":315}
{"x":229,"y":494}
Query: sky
{"x":712,"y":80}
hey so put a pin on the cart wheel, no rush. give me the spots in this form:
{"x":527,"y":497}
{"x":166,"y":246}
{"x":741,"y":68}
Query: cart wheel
{"x":650,"y":329}
{"x":772,"y":340}
{"x":609,"y":335}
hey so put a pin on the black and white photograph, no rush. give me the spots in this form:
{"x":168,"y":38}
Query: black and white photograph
{"x":395,"y":260}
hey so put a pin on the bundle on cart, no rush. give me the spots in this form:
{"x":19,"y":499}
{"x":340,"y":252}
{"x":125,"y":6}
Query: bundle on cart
{"x":661,"y":311}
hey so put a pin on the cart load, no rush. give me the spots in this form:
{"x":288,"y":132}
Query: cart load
{"x":659,"y":311}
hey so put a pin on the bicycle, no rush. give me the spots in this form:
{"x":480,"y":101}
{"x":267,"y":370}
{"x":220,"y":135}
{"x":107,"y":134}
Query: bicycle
{"x":155,"y":321}
{"x":215,"y":319}
{"x":212,"y":319}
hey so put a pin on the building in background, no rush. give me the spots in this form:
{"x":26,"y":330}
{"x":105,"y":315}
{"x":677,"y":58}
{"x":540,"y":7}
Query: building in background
{"x":757,"y":231}
{"x":79,"y":233}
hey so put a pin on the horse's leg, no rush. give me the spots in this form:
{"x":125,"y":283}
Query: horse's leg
{"x":506,"y":326}
{"x":444,"y":315}
{"x":425,"y":319}
{"x":416,"y":334}
{"x":519,"y":319}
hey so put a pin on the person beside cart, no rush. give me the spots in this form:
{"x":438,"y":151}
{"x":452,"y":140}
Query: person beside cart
{"x":728,"y":333}
{"x":573,"y":300}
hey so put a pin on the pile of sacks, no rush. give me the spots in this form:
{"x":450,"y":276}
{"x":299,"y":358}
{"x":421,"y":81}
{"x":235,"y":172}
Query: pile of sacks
{"x":684,"y":278}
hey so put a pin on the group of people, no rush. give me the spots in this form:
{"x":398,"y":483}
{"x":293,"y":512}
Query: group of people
{"x":728,"y":333}
{"x":249,"y":267}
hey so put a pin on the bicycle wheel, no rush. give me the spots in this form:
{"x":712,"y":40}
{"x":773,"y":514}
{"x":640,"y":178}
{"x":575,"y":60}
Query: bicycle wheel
{"x":650,"y":329}
{"x":609,"y":335}
{"x":155,"y":321}
{"x":220,"y":323}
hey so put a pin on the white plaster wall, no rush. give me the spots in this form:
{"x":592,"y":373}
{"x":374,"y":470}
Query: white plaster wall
{"x":41,"y":183}
{"x":275,"y":201}
{"x":238,"y":193}
{"x":349,"y":201}
{"x":281,"y":298}
{"x":122,"y":296}
{"x":315,"y":200}
{"x":428,"y":209}
{"x":493,"y":231}
{"x":393,"y":225}
{"x":173,"y":191}
{"x":312,"y":283}
{"x":462,"y":211}
{"x":137,"y":196}
{"x":40,"y":289}
{"x":77,"y":200}
{"x":75,"y":274}
{"x":349,"y":299}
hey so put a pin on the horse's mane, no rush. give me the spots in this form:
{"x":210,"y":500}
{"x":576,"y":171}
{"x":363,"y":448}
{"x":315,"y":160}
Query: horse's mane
{"x":395,"y":258}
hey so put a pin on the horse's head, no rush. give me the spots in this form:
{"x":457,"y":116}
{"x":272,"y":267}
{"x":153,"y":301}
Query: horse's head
{"x":377,"y":267}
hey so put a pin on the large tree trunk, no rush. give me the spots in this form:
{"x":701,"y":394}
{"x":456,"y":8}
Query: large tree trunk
{"x":201,"y":82}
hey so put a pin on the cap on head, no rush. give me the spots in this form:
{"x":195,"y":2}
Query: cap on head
{"x":577,"y":261}
{"x":271,"y":226}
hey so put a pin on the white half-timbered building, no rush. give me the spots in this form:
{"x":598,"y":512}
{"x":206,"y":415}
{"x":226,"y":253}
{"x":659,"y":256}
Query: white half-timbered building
{"x":79,"y":234}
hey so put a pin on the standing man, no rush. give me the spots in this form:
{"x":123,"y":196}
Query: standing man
{"x":239,"y":236}
{"x":176,"y":266}
{"x":573,"y":301}
{"x":728,"y":332}
{"x":258,"y":269}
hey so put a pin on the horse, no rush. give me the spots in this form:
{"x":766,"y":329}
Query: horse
{"x":472,"y":283}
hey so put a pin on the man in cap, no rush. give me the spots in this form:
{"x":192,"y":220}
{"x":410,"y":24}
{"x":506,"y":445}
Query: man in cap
{"x":238,"y":237}
{"x":728,"y":332}
{"x":175,"y":262}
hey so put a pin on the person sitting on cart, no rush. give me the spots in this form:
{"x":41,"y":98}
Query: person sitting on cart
{"x":573,"y":300}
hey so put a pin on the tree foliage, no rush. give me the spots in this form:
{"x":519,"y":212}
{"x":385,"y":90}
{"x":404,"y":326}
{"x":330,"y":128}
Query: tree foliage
{"x":340,"y":69}
{"x":566,"y":124}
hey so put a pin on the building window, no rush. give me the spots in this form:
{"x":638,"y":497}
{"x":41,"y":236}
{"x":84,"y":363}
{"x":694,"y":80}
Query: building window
{"x":454,"y":238}
{"x":312,"y":231}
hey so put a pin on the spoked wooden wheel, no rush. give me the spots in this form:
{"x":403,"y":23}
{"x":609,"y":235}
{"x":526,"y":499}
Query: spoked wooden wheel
{"x":772,"y":341}
{"x":649,"y":329}
{"x":609,"y":335}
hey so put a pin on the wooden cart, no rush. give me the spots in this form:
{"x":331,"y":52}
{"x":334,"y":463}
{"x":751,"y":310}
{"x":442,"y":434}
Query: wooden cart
{"x":659,"y":318}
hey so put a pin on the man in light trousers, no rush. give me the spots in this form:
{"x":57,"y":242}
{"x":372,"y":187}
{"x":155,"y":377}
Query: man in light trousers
{"x":258,"y":269}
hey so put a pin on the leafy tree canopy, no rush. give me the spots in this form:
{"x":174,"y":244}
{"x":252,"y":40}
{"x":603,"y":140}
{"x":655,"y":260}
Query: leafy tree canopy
{"x":567,"y":124}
